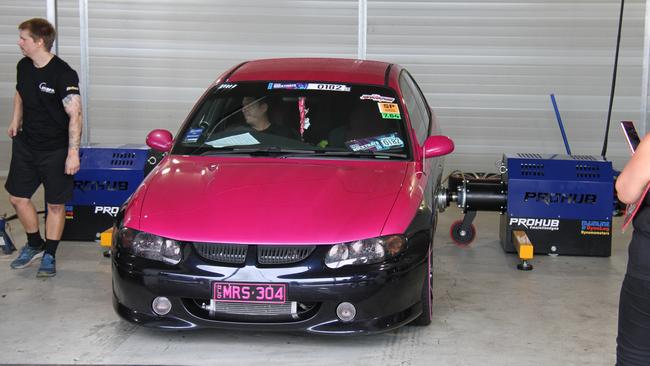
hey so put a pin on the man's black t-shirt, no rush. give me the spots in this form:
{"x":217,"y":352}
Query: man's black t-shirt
{"x":45,"y":122}
{"x":281,"y":130}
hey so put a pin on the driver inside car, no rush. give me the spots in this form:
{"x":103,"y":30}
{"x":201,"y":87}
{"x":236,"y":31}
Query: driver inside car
{"x":256,"y":114}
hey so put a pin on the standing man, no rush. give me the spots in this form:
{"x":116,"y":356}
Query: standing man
{"x":46,"y":132}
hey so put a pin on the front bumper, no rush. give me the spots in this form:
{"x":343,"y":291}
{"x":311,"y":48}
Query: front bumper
{"x":386,"y":295}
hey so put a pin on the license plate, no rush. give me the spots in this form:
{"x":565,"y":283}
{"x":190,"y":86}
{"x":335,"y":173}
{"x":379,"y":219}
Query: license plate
{"x":269,"y":293}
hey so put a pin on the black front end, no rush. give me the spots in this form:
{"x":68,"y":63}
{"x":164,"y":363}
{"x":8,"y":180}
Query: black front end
{"x":304,"y":293}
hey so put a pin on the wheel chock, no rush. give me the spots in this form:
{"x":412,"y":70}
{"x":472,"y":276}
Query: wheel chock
{"x":106,"y":238}
{"x":524,"y":248}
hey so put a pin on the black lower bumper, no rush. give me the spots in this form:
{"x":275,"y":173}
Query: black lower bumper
{"x":385,"y":295}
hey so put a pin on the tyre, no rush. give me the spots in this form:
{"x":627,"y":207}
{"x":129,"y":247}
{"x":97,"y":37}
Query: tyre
{"x":426,"y":296}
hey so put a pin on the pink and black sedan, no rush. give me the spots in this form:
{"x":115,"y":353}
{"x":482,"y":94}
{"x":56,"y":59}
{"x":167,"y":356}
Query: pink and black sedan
{"x":297,"y":195}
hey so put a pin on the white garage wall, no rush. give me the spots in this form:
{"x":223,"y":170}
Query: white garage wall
{"x":151,"y":60}
{"x":486,"y":67}
{"x":12,"y":13}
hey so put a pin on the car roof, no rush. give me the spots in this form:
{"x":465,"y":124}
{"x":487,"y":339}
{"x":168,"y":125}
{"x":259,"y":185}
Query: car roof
{"x":312,"y":69}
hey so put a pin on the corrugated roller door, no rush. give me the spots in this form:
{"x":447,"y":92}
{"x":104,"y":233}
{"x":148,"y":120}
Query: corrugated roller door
{"x":487,"y":68}
{"x":12,"y":13}
{"x":151,"y":60}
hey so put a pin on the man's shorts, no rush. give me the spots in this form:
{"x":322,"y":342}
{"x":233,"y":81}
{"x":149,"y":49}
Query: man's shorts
{"x":29,"y":168}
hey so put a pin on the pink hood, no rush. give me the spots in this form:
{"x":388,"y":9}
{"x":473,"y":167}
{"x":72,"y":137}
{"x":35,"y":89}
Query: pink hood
{"x":268,"y":200}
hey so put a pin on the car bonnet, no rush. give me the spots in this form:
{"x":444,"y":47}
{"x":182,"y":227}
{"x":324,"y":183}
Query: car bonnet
{"x":269,"y":200}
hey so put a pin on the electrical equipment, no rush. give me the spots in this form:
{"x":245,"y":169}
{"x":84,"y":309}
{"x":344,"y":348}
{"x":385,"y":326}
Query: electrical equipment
{"x":107,"y":177}
{"x":563,"y":203}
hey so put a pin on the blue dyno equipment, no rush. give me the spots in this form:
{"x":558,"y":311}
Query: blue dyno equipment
{"x":107,"y":176}
{"x":556,"y":204}
{"x":6,"y":244}
{"x":563,"y":203}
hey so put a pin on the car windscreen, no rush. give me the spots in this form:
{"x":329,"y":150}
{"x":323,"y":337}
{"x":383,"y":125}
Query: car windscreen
{"x":289,"y":118}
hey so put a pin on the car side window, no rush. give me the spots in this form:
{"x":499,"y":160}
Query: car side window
{"x":417,"y":106}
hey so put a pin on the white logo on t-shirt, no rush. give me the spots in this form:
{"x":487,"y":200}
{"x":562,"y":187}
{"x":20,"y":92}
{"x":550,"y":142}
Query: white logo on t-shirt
{"x":45,"y":89}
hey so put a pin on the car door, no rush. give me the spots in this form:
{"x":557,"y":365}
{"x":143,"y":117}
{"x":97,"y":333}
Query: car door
{"x":423,"y":124}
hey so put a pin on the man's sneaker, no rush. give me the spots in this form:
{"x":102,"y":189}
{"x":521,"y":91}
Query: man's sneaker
{"x":48,"y":266}
{"x":26,"y":257}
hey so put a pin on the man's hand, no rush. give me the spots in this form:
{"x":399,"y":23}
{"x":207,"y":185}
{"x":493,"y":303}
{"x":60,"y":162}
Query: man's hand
{"x":13,"y":129}
{"x":72,"y":162}
{"x":17,"y":119}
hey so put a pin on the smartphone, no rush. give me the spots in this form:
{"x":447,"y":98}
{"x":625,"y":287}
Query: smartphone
{"x":631,"y":135}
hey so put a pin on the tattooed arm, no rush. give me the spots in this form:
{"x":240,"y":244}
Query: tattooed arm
{"x":17,"y":119}
{"x":72,"y":105}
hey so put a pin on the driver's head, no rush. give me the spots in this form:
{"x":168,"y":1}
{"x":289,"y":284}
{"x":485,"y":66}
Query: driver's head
{"x":254,"y":109}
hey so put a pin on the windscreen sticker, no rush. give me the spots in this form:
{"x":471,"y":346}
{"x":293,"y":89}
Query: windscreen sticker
{"x":391,"y":116}
{"x":309,"y":86}
{"x":193,"y":135}
{"x":377,"y":98}
{"x":389,"y":110}
{"x":391,"y":141}
{"x":242,"y":139}
{"x":227,"y":86}
{"x":376,"y":143}
{"x":330,"y":87}
{"x":290,"y":86}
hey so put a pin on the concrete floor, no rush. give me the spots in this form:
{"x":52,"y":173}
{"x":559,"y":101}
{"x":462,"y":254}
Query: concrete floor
{"x":486,"y":312}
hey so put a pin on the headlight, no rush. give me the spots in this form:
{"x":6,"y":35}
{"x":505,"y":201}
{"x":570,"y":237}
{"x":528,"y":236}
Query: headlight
{"x":149,"y":246}
{"x":365,"y":251}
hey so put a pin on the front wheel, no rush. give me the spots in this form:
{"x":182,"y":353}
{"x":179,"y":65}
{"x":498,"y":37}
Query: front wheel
{"x":426,"y":296}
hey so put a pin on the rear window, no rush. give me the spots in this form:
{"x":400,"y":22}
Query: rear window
{"x":352,"y":121}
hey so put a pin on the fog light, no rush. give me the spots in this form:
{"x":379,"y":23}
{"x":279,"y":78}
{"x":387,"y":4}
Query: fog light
{"x":161,"y":305}
{"x":346,"y":311}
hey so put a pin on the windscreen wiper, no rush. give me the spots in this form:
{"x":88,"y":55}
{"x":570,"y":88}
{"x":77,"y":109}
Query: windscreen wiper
{"x":356,"y":154}
{"x":256,"y":151}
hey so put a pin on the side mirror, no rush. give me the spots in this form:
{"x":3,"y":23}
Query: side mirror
{"x":437,"y":146}
{"x":160,"y":140}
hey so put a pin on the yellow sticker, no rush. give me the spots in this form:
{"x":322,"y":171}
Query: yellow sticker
{"x":388,"y":108}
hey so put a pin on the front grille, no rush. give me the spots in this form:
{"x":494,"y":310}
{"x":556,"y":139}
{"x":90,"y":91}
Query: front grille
{"x":234,"y":308}
{"x":225,"y":253}
{"x":283,"y":254}
{"x":291,"y":311}
{"x":266,"y":254}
